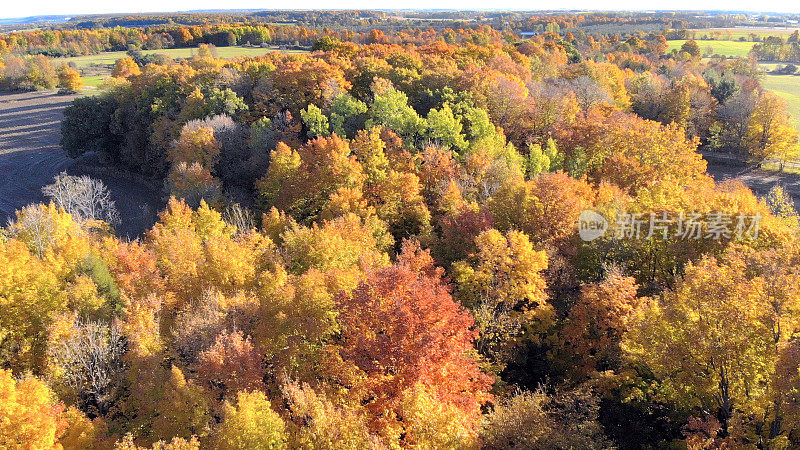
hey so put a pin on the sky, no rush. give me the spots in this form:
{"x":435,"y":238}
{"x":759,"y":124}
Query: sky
{"x":16,"y":8}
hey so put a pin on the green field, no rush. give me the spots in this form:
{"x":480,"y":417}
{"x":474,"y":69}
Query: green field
{"x":95,"y":68}
{"x":94,"y":81}
{"x":788,"y":88}
{"x":725,"y":48}
{"x":732,"y":34}
{"x":109,"y":58}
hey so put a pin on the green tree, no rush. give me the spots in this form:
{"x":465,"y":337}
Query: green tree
{"x":444,"y":127}
{"x":315,"y":121}
{"x":348,"y":115}
{"x":224,"y":101}
{"x":87,"y":126}
{"x":390,"y":108}
{"x":541,"y":160}
{"x":780,"y":203}
{"x":691,"y":47}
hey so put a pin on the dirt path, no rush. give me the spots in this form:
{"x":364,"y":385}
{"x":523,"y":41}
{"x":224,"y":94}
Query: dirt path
{"x":30,"y":156}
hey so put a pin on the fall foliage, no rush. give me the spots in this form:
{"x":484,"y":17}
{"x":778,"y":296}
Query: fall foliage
{"x":376,"y":242}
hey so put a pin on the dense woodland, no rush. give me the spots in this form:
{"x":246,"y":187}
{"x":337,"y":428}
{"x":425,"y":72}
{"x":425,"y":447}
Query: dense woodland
{"x":375,"y":245}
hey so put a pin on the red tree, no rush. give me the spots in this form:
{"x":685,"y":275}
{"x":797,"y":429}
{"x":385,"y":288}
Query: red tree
{"x":402,"y":328}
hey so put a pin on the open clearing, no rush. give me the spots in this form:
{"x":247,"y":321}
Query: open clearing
{"x":30,"y":156}
{"x":94,"y":68}
{"x":788,"y":88}
{"x":759,"y":180}
{"x":732,"y":34}
{"x":109,"y":58}
{"x":724,"y":48}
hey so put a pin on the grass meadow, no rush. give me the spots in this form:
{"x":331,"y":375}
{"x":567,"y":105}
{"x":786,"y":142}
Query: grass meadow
{"x":724,"y":48}
{"x":94,"y":68}
{"x":733,"y":34}
{"x":788,"y":88}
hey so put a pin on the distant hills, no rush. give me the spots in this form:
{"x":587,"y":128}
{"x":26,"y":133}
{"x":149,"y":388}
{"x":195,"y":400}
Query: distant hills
{"x":34,"y":19}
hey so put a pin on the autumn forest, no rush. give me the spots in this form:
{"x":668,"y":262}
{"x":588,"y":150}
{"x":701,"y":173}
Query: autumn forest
{"x":412,"y":231}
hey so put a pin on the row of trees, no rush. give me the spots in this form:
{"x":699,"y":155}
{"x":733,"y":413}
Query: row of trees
{"x":37,"y":72}
{"x":775,"y":49}
{"x":75,"y":42}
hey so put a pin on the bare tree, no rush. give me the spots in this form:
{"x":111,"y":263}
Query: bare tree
{"x":587,"y":91}
{"x":735,"y":114}
{"x":83,"y":197}
{"x":218,"y":123}
{"x":193,"y":183}
{"x":35,"y":227}
{"x":90,"y":361}
{"x":240,"y":217}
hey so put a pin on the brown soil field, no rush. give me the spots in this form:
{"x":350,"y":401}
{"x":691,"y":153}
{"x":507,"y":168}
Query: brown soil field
{"x":30,"y":156}
{"x":759,"y":180}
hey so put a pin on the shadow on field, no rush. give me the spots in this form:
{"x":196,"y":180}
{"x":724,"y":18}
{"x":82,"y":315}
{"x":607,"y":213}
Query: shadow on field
{"x":759,"y":180}
{"x":30,"y":156}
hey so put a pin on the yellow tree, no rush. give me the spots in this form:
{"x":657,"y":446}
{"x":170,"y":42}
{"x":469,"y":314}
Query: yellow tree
{"x":162,"y":404}
{"x":196,"y":144}
{"x":545,"y":208}
{"x":713,"y":341}
{"x":503,"y":286}
{"x":31,"y":418}
{"x":29,"y":298}
{"x":770,"y":133}
{"x":316,"y":422}
{"x":302,"y":182}
{"x":342,"y":243}
{"x":197,"y":250}
{"x":181,"y":410}
{"x":597,"y":323}
{"x":39,"y":280}
{"x":125,"y":67}
{"x":193,"y":183}
{"x":175,"y":444}
{"x":431,"y":423}
{"x":629,"y":151}
{"x":250,"y":424}
{"x":69,"y":80}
